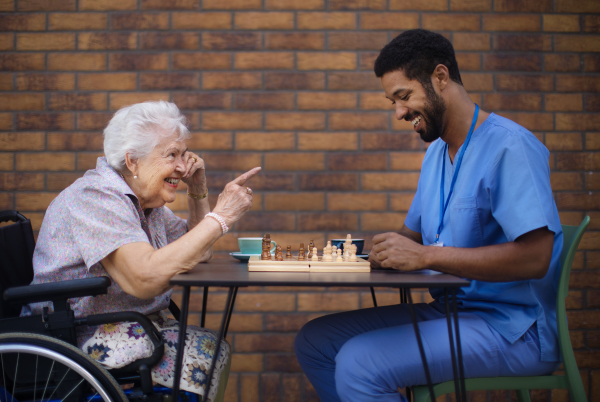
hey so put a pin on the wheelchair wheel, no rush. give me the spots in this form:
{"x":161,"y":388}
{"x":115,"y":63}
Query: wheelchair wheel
{"x":40,"y":368}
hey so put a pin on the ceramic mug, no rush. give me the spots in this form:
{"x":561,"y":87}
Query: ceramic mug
{"x":253,"y":245}
{"x":360,"y":244}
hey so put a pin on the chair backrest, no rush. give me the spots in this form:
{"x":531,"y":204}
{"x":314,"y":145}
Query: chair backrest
{"x":16,"y":257}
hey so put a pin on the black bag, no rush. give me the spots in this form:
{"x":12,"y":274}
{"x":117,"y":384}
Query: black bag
{"x":16,"y":257}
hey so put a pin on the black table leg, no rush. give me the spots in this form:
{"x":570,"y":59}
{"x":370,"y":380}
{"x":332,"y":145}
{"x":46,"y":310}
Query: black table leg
{"x":457,"y":388}
{"x":230,"y":311}
{"x":373,"y":296}
{"x":219,"y":340}
{"x":413,"y":316}
{"x":204,"y":299}
{"x":185,"y":301}
{"x":461,"y":367}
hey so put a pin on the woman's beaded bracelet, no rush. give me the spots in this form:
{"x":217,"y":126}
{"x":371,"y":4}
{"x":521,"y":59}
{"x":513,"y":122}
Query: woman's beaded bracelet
{"x":221,"y":221}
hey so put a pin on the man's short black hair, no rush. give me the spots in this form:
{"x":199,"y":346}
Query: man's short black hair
{"x":417,"y":52}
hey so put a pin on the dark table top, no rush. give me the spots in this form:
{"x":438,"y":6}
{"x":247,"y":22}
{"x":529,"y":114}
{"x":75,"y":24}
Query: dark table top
{"x":225,"y":271}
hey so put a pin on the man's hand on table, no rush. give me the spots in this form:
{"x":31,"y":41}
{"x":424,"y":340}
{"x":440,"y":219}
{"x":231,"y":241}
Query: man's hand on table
{"x":393,"y":250}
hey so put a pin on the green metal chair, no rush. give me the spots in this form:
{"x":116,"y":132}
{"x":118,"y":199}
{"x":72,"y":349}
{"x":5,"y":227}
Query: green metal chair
{"x":571,"y":380}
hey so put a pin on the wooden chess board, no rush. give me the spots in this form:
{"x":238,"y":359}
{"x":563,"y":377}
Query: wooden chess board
{"x":255,"y":264}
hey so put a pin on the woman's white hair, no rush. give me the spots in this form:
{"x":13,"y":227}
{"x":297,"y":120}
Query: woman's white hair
{"x":138,"y":129}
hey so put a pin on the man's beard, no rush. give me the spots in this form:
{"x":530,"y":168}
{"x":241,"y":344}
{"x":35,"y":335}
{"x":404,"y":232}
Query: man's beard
{"x":433,"y":114}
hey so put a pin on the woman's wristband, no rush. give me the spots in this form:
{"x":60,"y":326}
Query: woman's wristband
{"x":198,"y":196}
{"x":221,"y":221}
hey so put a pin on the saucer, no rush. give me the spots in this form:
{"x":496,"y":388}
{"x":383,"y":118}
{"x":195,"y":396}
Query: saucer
{"x":243,"y":257}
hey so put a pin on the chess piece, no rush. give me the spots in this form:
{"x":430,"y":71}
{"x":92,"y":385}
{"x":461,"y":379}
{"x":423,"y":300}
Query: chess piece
{"x":288,"y":255}
{"x":301,"y":253}
{"x":268,"y":237}
{"x":327,"y":254}
{"x":347,"y":245}
{"x":328,"y":246}
{"x":265,"y":255}
{"x":278,"y":253}
{"x":339,"y":256}
{"x":314,"y":252}
{"x":334,"y":253}
{"x":311,"y":245}
{"x":352,"y":257}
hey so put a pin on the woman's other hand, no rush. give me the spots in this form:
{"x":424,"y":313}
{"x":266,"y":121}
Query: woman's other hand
{"x":195,"y":174}
{"x":236,"y":198}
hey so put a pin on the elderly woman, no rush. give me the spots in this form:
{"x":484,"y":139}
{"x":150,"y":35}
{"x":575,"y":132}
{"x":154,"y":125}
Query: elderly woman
{"x":113,"y":221}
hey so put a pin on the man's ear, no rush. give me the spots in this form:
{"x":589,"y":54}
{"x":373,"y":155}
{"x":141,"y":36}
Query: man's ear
{"x":131,"y":163}
{"x":440,"y":76}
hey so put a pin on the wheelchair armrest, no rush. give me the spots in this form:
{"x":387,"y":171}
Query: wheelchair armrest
{"x":57,"y":291}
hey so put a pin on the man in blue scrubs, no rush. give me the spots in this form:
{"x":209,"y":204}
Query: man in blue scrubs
{"x":483,"y":210}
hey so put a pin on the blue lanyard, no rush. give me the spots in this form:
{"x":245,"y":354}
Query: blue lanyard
{"x":444,"y":206}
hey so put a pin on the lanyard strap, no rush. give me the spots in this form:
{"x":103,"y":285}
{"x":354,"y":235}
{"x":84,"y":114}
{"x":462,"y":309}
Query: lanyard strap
{"x":444,"y":206}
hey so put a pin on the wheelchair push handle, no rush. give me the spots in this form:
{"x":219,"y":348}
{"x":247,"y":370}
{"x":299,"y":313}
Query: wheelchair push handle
{"x":11,"y":216}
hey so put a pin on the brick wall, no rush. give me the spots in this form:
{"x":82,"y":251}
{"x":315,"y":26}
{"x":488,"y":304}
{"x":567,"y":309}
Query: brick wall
{"x":288,"y":85}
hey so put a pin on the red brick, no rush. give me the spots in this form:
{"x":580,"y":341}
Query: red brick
{"x":326,"y":20}
{"x":406,"y":160}
{"x":471,"y":41}
{"x":401,"y":201}
{"x":267,"y":221}
{"x":523,"y":42}
{"x":265,"y":141}
{"x":353,"y":161}
{"x":583,"y":121}
{"x":478,"y":82}
{"x":139,"y":21}
{"x":328,"y":182}
{"x":358,"y":121}
{"x":294,"y":202}
{"x":264,"y":101}
{"x":107,"y":41}
{"x":574,"y":6}
{"x":563,"y":102}
{"x":592,"y":181}
{"x":202,"y":101}
{"x":389,"y":181}
{"x":231,"y":121}
{"x":46,"y":5}
{"x":7,"y":199}
{"x":77,"y":101}
{"x":7,"y":41}
{"x":577,"y":43}
{"x":471,"y":5}
{"x":356,"y":202}
{"x":578,"y":161}
{"x":499,"y":101}
{"x":375,"y":101}
{"x":591,"y":23}
{"x":7,"y":5}
{"x":561,"y":23}
{"x":427,"y":5}
{"x":170,"y":4}
{"x":577,"y":201}
{"x":366,"y":60}
{"x":107,"y":81}
{"x":75,"y":141}
{"x":294,"y":5}
{"x":357,"y":4}
{"x":45,"y":121}
{"x":169,"y":41}
{"x":327,"y":141}
{"x":170,"y":81}
{"x":118,"y":100}
{"x":86,"y":161}
{"x":566,"y":181}
{"x":231,"y":41}
{"x":294,"y":161}
{"x":6,"y":121}
{"x":77,"y":21}
{"x":22,"y":141}
{"x":523,"y":6}
{"x":562,"y":62}
{"x":295,"y":121}
{"x":45,"y":41}
{"x":260,"y":20}
{"x":107,"y":5}
{"x":23,"y":22}
{"x":382,"y":221}
{"x":326,"y":101}
{"x":357,"y":40}
{"x":93,"y":121}
{"x":14,"y":102}
{"x":389,"y":21}
{"x":512,"y":62}
{"x":45,"y":161}
{"x":564,"y":141}
{"x":299,"y":81}
{"x":76,"y":61}
{"x":33,"y":201}
{"x":243,"y":362}
{"x":513,"y":22}
{"x":138,"y":61}
{"x":353,"y":81}
{"x":524,"y":82}
{"x":322,"y":221}
{"x":326,"y":61}
{"x":21,"y":181}
{"x":201,"y":21}
{"x":468,"y":61}
{"x":232,"y":4}
{"x":263,"y":61}
{"x":211,"y":141}
{"x":389,"y":142}
{"x":231,"y":80}
{"x":592,"y":103}
{"x":294,"y":41}
{"x":576,"y":83}
{"x":451,"y":22}
{"x":327,"y":302}
{"x":532,"y":121}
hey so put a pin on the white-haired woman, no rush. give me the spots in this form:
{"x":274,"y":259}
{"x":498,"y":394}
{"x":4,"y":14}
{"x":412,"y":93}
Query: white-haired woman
{"x":113,"y":221}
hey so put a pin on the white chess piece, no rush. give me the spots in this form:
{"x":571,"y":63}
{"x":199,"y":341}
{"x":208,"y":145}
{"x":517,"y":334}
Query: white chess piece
{"x":334,"y":252}
{"x":352,"y":257}
{"x":327,"y":254}
{"x":339,"y":256}
{"x":315,"y":257}
{"x":329,"y":247}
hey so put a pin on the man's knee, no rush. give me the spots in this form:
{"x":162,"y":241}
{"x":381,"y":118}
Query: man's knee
{"x":308,"y":339}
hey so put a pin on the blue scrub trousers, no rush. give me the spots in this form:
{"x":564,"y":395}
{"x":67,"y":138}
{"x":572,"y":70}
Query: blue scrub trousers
{"x":366,"y":355}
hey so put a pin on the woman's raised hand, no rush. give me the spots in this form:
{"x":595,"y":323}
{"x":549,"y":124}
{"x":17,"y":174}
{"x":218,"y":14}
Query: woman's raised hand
{"x":195,"y":174}
{"x":236,"y":198}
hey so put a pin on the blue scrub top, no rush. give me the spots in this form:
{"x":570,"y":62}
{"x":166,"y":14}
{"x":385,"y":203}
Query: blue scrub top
{"x":502,"y":192}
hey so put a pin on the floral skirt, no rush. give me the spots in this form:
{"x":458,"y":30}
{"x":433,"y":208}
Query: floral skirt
{"x":117,"y":345}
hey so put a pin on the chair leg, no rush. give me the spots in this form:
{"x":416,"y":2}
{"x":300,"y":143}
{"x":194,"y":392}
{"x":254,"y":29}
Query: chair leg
{"x":523,"y":395}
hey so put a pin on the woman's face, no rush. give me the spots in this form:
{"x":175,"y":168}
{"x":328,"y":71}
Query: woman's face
{"x":159,"y":173}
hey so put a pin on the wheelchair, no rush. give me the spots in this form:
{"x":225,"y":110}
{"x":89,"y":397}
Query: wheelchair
{"x":39,"y":357}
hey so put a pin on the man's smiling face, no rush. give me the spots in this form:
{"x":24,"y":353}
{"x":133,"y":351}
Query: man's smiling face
{"x":417,"y":103}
